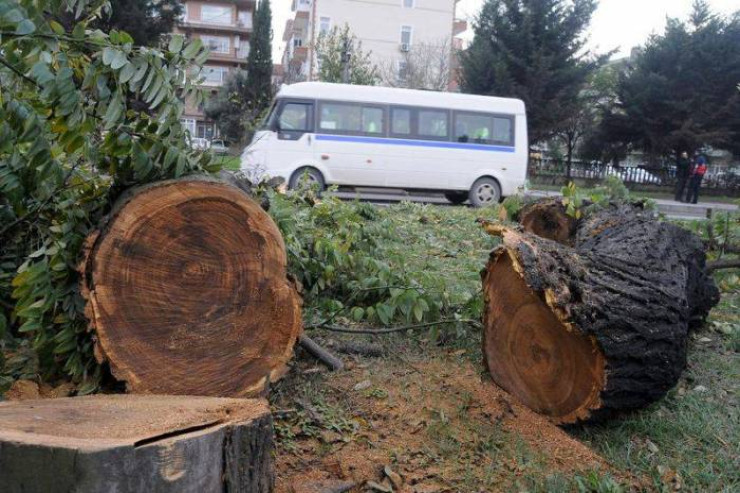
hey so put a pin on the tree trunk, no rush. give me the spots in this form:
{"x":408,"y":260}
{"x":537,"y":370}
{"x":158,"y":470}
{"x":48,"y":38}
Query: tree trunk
{"x":548,"y":218}
{"x":187,"y":291}
{"x":580,"y":332}
{"x":131,"y":443}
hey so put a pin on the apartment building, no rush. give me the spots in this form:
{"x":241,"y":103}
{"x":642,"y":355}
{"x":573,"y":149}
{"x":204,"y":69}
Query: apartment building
{"x":386,"y":28}
{"x":225,"y":27}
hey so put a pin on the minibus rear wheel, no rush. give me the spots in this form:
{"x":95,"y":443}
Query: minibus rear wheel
{"x":485,"y":191}
{"x":307,"y":176}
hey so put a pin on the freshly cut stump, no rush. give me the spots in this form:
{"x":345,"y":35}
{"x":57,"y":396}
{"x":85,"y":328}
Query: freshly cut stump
{"x":187,"y":291}
{"x":136,"y":443}
{"x":578,"y":333}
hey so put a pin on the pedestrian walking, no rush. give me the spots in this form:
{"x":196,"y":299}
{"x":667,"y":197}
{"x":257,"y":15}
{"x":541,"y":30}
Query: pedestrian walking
{"x":697,"y":174}
{"x":682,"y":174}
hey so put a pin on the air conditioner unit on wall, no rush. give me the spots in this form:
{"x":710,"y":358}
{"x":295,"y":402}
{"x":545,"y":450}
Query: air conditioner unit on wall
{"x":405,"y":47}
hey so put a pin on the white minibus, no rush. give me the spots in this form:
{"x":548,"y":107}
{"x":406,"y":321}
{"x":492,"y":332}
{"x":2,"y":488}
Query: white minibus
{"x":469,"y":147}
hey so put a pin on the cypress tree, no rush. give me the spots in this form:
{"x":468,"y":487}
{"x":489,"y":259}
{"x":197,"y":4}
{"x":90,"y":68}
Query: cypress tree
{"x":532,"y":50}
{"x":259,"y":61}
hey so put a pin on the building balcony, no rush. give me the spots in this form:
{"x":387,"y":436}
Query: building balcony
{"x":234,"y":55}
{"x":241,"y":27}
{"x":301,"y":6}
{"x":300,"y":54}
{"x":459,"y":26}
{"x":300,"y":22}
{"x":288,"y":33}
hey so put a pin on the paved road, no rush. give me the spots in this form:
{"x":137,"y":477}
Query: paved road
{"x":672,"y":209}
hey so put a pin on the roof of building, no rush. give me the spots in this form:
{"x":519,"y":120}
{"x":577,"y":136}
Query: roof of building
{"x":392,"y":95}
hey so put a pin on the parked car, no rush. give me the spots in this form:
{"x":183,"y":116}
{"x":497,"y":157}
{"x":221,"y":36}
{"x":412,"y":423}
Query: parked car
{"x":199,"y":143}
{"x":219,"y":146}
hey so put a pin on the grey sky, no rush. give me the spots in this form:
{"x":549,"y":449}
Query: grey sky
{"x":619,"y":24}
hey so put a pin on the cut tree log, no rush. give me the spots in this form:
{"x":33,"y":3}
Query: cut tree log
{"x":135,"y":443}
{"x":548,"y":218}
{"x":188,"y":293}
{"x":578,"y":333}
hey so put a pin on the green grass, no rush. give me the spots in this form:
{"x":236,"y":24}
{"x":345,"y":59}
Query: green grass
{"x":697,"y":434}
{"x":638,"y":194}
{"x":228,"y":162}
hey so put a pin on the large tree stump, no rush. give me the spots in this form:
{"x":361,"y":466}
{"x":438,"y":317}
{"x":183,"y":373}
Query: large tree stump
{"x":578,"y":333}
{"x":134,"y":443}
{"x":187,"y":291}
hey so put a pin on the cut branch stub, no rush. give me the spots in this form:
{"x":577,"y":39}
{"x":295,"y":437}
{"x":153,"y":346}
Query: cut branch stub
{"x":548,"y":218}
{"x":188,"y":293}
{"x":578,"y":333}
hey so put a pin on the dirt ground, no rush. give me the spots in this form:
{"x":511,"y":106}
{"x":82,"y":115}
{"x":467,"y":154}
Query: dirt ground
{"x":412,"y":425}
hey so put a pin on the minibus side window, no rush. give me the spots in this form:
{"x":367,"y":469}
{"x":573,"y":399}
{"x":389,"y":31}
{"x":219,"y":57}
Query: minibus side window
{"x":372,"y":120}
{"x":433,"y":124}
{"x":295,"y":117}
{"x":503,"y":130}
{"x":400,"y":121}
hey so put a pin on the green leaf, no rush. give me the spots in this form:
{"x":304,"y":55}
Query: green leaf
{"x":119,"y":60}
{"x":176,"y":43}
{"x":26,"y":26}
{"x":56,"y":27}
{"x":127,"y":73}
{"x":192,"y":48}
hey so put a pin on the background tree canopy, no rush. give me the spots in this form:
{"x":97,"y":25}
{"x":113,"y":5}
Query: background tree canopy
{"x":83,"y":115}
{"x":329,"y":47}
{"x":532,"y":50}
{"x":682,"y":91}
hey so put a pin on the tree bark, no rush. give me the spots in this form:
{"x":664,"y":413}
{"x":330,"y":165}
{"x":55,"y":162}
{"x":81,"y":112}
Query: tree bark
{"x":187,"y":291}
{"x":131,"y":443}
{"x":580,"y":332}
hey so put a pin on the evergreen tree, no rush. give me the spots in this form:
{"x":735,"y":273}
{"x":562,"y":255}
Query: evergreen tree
{"x":681,"y":93}
{"x":146,"y":21}
{"x":244,"y":97}
{"x":329,"y":48}
{"x":532,"y":50}
{"x":259,"y":61}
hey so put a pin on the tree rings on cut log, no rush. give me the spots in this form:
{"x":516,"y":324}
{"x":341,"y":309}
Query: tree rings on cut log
{"x":552,"y":368}
{"x":188,"y":292}
{"x":596,"y":323}
{"x":136,"y":443}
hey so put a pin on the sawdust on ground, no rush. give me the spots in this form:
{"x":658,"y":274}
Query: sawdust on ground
{"x":439,"y":423}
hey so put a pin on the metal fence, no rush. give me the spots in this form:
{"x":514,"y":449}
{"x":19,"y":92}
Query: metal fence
{"x":552,"y":171}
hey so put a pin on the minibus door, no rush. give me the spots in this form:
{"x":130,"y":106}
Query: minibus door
{"x":294,"y":126}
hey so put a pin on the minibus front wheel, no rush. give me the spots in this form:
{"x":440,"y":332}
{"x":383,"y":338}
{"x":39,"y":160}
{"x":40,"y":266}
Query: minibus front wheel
{"x":307,"y":177}
{"x":485,"y":191}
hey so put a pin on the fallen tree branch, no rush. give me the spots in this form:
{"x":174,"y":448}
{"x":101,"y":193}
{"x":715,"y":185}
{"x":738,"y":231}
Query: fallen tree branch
{"x":320,"y":353}
{"x":391,"y":330}
{"x":723,"y":264}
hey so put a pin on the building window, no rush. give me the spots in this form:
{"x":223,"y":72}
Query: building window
{"x":217,"y":44}
{"x":189,"y":125}
{"x":408,"y":4}
{"x":204,"y":130}
{"x":214,"y":75}
{"x":324,"y":25}
{"x":403,"y":71}
{"x":400,"y":121}
{"x":297,"y":42}
{"x":406,"y":35}
{"x":433,"y":124}
{"x":215,"y":14}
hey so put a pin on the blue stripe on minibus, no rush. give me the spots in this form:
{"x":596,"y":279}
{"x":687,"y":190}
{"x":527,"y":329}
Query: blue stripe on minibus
{"x":417,"y":143}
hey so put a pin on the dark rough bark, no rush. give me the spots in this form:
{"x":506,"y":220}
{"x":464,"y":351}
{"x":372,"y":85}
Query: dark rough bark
{"x":136,"y":443}
{"x":630,"y":285}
